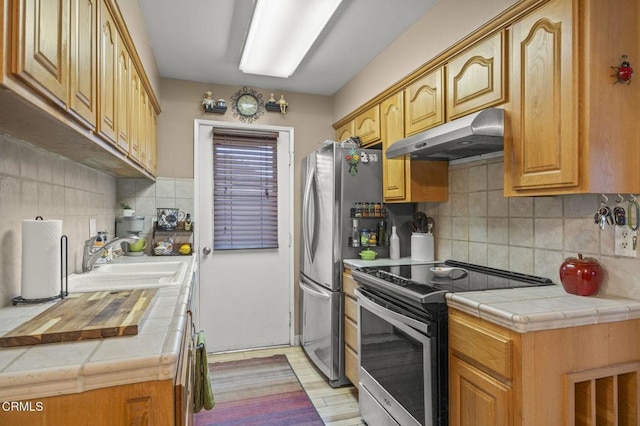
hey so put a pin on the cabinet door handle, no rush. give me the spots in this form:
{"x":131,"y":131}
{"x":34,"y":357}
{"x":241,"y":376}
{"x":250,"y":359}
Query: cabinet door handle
{"x":206,"y":250}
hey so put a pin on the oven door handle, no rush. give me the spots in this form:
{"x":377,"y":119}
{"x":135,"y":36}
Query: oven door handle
{"x":384,"y":312}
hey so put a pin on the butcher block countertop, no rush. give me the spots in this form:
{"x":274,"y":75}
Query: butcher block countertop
{"x":38,"y":371}
{"x":85,"y":316}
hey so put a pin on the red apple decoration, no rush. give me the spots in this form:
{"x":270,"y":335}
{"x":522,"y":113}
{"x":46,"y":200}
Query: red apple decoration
{"x":581,"y":276}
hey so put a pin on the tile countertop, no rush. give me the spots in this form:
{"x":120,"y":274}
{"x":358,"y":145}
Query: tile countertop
{"x":543,"y":308}
{"x":531,"y":309}
{"x":38,"y":371}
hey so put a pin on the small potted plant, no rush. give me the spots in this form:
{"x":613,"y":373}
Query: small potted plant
{"x":127,"y":211}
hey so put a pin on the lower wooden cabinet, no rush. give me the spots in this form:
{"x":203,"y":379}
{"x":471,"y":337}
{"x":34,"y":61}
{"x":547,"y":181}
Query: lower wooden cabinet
{"x":583,"y":375}
{"x":159,"y":402}
{"x":350,"y":327}
{"x":488,"y":398}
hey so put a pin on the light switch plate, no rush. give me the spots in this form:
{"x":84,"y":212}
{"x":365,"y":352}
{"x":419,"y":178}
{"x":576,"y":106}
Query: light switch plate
{"x":626,"y":242}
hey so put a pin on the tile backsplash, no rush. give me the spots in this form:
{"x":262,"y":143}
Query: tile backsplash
{"x":145,"y":196}
{"x":531,"y":235}
{"x":35,"y":182}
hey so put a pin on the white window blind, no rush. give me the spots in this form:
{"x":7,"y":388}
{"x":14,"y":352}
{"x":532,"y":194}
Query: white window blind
{"x":245,"y":190}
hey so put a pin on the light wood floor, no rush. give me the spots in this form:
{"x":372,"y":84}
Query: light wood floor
{"x":337,"y":407}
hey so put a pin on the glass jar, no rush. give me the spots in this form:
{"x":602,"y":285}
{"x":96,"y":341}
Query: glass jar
{"x":364,"y":237}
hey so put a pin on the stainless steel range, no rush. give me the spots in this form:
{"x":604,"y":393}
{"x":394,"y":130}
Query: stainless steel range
{"x":403,"y":342}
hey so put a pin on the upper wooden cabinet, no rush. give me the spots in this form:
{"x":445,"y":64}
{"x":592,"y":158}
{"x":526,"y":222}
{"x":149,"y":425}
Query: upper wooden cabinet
{"x":476,"y":77}
{"x":424,"y":102}
{"x":571,"y":129}
{"x":42,"y":56}
{"x":67,"y":83}
{"x":404,"y":180}
{"x":367,"y":126}
{"x":346,"y":131}
{"x":108,"y":75}
{"x":83,"y":61}
{"x":123,"y":97}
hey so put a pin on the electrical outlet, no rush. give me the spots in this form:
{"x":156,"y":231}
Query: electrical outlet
{"x":626,"y":242}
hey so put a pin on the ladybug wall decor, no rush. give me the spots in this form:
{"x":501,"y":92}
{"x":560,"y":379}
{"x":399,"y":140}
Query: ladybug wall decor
{"x":624,"y":72}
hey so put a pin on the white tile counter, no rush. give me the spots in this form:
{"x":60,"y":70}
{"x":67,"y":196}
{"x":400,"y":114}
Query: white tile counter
{"x":38,"y":371}
{"x":543,"y":308}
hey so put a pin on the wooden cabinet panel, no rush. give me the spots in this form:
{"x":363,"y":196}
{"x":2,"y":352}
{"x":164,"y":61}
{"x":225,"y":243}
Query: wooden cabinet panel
{"x":367,"y":126}
{"x":395,"y":170}
{"x":123,"y":98}
{"x":143,"y":128}
{"x":152,"y":152}
{"x":424,"y":102}
{"x":484,"y":345}
{"x":545,"y":141}
{"x":351,"y":309}
{"x":351,"y":334}
{"x":351,"y":365}
{"x":404,"y":180}
{"x":42,"y":56}
{"x":346,"y":131}
{"x":108,"y":75}
{"x":477,"y":399}
{"x":476,"y":77}
{"x":134,"y":116}
{"x":83,"y":75}
{"x":349,"y":284}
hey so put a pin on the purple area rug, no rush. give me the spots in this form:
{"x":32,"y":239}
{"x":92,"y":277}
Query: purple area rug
{"x":258,"y":391}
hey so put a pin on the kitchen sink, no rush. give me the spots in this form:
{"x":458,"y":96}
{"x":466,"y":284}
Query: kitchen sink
{"x":124,"y":276}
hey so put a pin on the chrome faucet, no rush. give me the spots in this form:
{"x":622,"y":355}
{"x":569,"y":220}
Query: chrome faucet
{"x":91,"y":254}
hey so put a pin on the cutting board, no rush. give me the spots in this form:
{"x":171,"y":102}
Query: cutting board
{"x":84,"y":316}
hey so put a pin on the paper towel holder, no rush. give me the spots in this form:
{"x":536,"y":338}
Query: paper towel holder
{"x":64,"y":275}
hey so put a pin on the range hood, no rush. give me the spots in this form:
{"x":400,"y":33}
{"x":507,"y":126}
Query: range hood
{"x":479,"y":133}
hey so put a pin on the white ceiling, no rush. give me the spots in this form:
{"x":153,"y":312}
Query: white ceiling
{"x":201,"y":40}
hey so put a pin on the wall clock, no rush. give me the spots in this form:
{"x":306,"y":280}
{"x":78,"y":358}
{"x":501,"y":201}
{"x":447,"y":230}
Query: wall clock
{"x":247,"y":104}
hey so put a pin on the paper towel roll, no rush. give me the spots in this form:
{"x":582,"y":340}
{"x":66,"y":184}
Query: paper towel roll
{"x":422,"y":246}
{"x":41,"y":258}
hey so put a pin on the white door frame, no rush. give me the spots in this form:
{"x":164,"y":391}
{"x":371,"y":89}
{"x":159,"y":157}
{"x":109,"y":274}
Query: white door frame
{"x":197,"y":124}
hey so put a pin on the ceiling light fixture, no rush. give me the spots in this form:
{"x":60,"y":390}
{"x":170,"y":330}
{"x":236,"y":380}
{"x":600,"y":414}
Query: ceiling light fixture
{"x":281,"y":34}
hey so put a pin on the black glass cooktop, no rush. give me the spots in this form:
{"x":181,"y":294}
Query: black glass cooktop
{"x":431,"y":281}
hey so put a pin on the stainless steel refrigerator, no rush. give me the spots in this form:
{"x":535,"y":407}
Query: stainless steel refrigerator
{"x":335,"y":178}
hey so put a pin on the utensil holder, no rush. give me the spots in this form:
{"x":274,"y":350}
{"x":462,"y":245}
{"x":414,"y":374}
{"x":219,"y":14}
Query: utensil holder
{"x":422,"y":246}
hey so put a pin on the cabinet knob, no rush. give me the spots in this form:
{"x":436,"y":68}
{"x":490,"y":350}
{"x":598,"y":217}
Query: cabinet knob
{"x":206,"y":250}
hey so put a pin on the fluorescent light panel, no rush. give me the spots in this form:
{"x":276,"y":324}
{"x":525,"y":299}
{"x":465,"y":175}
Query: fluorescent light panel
{"x":281,"y":34}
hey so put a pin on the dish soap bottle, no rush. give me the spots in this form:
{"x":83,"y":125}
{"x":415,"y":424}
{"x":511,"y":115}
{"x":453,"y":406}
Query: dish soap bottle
{"x":394,"y":244}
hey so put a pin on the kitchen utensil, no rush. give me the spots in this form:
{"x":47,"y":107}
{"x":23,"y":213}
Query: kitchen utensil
{"x":420,"y":220}
{"x":368,"y":254}
{"x":139,"y":245}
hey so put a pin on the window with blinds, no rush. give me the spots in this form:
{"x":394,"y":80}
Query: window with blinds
{"x":245,"y":191}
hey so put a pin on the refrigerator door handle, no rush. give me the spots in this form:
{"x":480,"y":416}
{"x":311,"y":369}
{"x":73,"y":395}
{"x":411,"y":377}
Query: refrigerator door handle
{"x":309,"y":235}
{"x":308,"y":289}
